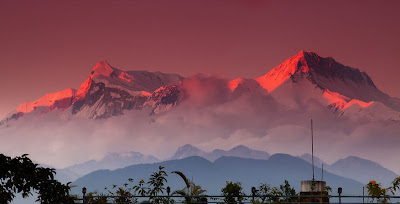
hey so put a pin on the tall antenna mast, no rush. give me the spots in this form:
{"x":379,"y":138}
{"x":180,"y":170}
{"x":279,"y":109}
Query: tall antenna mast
{"x":322,"y":172}
{"x":312,"y":149}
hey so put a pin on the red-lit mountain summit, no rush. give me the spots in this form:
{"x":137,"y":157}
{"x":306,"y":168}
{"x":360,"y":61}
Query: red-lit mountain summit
{"x":341,"y":86}
{"x":303,"y":78}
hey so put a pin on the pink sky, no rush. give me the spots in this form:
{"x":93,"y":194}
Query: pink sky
{"x":53,"y":45}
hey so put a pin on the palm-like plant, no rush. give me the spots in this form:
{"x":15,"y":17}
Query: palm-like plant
{"x":190,"y":190}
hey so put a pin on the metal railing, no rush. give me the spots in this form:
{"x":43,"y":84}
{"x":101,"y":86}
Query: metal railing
{"x":255,"y":199}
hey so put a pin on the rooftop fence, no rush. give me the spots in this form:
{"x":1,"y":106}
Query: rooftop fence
{"x":255,"y":199}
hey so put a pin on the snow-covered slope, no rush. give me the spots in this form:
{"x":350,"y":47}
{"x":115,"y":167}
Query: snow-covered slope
{"x":52,"y":101}
{"x":58,"y":100}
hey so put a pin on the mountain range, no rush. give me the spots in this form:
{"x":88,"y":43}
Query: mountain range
{"x":109,"y":91}
{"x":114,"y":161}
{"x":212,"y":176}
{"x":352,"y":167}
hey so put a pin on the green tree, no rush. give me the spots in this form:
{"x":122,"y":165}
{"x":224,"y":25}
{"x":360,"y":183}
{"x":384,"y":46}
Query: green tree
{"x":263,"y":192}
{"x":396,"y":184}
{"x":288,"y":192}
{"x":21,"y":175}
{"x":232,"y":191}
{"x":275,"y":195}
{"x":141,"y":189}
{"x":190,"y":190}
{"x":156,"y":185}
{"x":267,"y":194}
{"x":123,"y":193}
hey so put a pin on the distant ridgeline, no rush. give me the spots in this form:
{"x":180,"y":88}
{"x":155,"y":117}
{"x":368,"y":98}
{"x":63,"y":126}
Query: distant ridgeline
{"x":242,"y":167}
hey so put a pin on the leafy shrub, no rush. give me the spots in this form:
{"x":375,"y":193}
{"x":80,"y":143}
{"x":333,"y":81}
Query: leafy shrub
{"x":376,"y":191}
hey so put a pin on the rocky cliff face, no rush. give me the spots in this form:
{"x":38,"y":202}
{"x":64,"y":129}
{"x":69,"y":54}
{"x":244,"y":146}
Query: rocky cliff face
{"x":103,"y":102}
{"x":164,"y":99}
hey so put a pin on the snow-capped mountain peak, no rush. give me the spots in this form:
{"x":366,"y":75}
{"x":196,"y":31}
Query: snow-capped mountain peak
{"x":280,"y":74}
{"x":323,"y":72}
{"x":340,"y":86}
{"x":102,"y":68}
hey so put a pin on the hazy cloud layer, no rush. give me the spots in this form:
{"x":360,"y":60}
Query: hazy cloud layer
{"x":210,"y":117}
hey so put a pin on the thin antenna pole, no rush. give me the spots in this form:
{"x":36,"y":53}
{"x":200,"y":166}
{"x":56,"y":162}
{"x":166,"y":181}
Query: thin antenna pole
{"x":322,"y":172}
{"x":312,"y":149}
